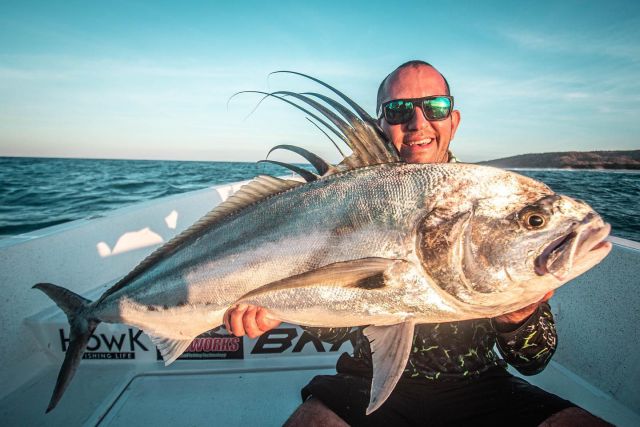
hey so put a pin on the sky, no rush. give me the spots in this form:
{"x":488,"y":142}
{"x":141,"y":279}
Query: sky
{"x":156,"y":79}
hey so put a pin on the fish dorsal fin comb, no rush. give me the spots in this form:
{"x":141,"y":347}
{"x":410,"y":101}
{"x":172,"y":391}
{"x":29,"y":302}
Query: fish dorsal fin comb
{"x":368,"y":144}
{"x":363,"y":134}
{"x":258,"y":189}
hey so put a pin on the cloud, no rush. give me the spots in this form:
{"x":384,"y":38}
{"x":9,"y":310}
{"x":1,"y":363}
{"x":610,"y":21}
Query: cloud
{"x":616,"y":40}
{"x":55,"y":67}
{"x":68,"y":66}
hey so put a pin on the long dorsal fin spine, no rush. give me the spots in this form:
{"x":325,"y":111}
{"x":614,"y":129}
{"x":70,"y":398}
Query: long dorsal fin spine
{"x":369,"y":145}
{"x":305,"y":174}
{"x":393,"y":155}
{"x":366,"y":153}
{"x":327,"y":135}
{"x":301,"y":108}
{"x":343,"y":126}
{"x":317,"y":162}
{"x":363,"y":132}
{"x":352,"y":138}
{"x":359,"y":127}
{"x":363,"y":114}
{"x":345,"y":112}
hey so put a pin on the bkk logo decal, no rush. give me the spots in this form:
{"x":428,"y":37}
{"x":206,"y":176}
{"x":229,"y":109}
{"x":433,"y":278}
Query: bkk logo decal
{"x":282,"y":339}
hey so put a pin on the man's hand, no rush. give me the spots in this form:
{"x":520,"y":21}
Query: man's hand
{"x":511,"y":321}
{"x":250,"y":320}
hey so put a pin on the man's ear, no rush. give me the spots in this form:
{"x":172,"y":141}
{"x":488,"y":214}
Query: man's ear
{"x":455,"y":121}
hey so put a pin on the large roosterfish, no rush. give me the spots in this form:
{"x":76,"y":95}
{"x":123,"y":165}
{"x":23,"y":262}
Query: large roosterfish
{"x":372,"y":241}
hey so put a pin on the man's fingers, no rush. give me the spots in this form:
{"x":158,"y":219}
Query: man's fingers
{"x":248,"y":320}
{"x":249,"y":323}
{"x":265,"y":322}
{"x":547,"y":296}
{"x":235,"y":320}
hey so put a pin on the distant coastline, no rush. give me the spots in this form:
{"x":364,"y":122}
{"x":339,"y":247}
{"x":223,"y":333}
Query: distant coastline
{"x":629,"y":159}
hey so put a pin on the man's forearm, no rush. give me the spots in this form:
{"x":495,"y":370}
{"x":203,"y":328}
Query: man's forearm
{"x":529,"y":347}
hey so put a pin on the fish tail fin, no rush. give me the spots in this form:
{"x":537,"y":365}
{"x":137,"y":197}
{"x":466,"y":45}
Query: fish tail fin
{"x":81,"y":326}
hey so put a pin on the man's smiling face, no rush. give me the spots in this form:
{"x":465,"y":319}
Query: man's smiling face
{"x":419,"y":140}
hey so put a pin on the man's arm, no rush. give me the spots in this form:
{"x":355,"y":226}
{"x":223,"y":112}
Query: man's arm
{"x":527,"y":338}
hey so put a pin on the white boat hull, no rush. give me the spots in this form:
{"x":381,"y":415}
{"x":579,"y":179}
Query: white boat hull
{"x":597,"y":364}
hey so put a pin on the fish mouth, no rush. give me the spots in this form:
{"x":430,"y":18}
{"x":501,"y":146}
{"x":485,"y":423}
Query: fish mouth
{"x":577,"y":251}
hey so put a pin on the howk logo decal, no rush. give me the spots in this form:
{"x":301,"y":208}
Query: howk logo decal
{"x":110,"y":346}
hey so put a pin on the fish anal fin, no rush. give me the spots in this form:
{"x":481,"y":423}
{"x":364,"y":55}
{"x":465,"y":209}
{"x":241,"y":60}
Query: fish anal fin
{"x":390,"y":347}
{"x":363,"y":273}
{"x":170,"y":348}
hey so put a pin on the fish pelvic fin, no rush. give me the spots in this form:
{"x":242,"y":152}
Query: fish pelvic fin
{"x":170,"y":349}
{"x":391,"y":347}
{"x":81,"y":327}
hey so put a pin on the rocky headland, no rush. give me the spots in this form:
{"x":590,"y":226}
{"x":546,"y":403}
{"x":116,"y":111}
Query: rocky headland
{"x":629,"y":159}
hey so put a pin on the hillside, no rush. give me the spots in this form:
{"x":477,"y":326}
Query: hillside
{"x":572,"y":160}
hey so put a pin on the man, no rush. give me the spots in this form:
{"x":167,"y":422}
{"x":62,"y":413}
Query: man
{"x":453,"y":376}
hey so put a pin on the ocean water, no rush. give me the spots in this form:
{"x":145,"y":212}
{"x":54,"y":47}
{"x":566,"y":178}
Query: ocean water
{"x":40,"y":192}
{"x":613,"y":194}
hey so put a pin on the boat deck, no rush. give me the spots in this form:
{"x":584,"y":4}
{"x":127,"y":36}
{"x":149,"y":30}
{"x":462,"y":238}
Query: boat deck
{"x":228,"y":393}
{"x":211,"y":393}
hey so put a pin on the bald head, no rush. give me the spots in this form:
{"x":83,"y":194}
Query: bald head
{"x":426,"y":70}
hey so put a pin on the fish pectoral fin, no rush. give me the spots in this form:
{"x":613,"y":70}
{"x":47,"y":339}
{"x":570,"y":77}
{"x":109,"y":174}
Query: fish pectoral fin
{"x":390,"y":346}
{"x":169,"y":348}
{"x":364,"y":273}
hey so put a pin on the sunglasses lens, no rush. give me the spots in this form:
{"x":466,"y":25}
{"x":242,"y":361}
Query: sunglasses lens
{"x":397,"y":112}
{"x":401,"y":110}
{"x":437,"y":108}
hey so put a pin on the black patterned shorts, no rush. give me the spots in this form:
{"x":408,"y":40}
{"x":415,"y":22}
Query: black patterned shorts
{"x":496,"y":398}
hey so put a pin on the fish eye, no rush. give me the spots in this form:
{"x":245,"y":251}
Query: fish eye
{"x":534,"y":220}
